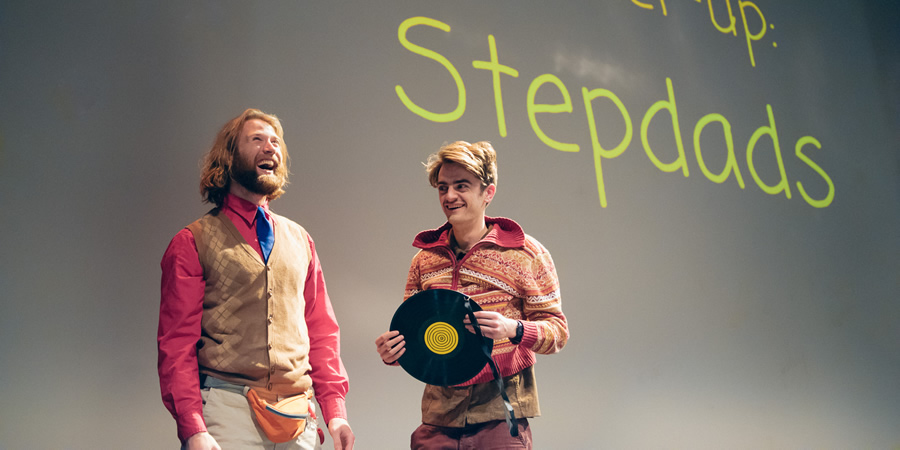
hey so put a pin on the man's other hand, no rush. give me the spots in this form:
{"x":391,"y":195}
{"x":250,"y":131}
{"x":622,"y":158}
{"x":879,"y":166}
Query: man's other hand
{"x":202,"y":441}
{"x":341,"y":434}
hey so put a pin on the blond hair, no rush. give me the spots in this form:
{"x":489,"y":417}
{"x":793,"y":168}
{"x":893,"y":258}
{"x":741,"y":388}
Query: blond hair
{"x":216,"y":168}
{"x":479,"y":159}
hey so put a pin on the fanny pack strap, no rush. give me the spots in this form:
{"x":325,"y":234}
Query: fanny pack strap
{"x":498,"y":380}
{"x":215,"y":383}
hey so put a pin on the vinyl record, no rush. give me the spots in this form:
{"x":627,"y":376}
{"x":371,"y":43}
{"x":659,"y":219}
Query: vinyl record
{"x":439,"y":349}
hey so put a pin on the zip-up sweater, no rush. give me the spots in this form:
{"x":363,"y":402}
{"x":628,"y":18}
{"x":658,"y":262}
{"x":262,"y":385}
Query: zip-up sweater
{"x":507,"y":271}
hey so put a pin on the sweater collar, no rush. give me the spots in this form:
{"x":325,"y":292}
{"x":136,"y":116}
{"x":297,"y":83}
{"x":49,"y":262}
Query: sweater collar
{"x":504,"y":233}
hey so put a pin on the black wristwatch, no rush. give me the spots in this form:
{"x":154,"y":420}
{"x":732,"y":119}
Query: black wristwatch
{"x":520,"y":330}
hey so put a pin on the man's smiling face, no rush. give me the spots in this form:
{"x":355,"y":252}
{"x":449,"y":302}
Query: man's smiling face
{"x":257,"y":165}
{"x":463,"y":198}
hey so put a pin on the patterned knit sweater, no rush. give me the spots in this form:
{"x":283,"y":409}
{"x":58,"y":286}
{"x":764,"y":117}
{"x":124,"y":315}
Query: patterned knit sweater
{"x":507,"y":271}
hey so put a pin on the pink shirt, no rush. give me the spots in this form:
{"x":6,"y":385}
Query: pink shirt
{"x":181,"y":308}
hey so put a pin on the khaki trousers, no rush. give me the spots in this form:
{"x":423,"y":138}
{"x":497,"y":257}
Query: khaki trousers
{"x":230,"y":420}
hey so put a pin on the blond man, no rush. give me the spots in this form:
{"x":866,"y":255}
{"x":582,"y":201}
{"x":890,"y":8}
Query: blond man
{"x":511,"y":276}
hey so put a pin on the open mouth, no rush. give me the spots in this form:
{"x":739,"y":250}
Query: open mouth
{"x":267,"y":165}
{"x":453,"y":207}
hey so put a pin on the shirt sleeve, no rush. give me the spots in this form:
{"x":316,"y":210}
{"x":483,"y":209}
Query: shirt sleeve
{"x":180,"y":312}
{"x":329,"y":377}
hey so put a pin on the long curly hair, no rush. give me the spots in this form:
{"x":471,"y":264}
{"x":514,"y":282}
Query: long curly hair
{"x":216,"y":167}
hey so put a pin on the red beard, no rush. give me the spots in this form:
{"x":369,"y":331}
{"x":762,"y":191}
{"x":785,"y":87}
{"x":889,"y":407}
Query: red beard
{"x":244,"y":172}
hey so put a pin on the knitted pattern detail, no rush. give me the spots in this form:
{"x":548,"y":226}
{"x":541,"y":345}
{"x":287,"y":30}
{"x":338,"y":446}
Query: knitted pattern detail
{"x":519,"y":282}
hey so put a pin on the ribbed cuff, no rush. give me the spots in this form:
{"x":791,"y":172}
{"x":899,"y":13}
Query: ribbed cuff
{"x":530,"y":335}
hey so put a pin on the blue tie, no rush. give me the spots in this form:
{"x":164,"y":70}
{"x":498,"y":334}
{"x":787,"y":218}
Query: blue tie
{"x":264,"y":233}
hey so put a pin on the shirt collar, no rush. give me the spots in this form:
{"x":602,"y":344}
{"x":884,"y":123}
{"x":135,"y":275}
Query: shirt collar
{"x":244,"y":209}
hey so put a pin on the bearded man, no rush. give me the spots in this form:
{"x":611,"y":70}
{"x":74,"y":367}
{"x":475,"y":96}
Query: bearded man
{"x":245,"y":321}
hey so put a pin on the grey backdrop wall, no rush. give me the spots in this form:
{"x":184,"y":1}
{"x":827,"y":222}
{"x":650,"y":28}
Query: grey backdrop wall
{"x":715,"y":301}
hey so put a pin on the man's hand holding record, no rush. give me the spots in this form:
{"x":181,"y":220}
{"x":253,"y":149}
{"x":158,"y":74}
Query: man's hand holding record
{"x":493,"y":325}
{"x":390,"y":346}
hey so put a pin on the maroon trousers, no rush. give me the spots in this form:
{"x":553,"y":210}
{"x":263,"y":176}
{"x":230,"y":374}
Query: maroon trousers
{"x":483,"y":436}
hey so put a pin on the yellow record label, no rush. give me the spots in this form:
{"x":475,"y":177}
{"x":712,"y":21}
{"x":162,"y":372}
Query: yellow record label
{"x":441,"y":338}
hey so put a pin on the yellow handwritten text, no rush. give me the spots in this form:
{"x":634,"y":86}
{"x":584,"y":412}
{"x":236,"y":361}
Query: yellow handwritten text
{"x":657,"y":111}
{"x":744,"y":7}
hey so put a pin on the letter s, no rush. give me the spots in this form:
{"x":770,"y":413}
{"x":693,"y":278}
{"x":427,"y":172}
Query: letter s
{"x":798,"y":149}
{"x":461,"y":105}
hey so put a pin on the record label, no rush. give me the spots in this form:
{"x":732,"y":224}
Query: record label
{"x":441,"y":338}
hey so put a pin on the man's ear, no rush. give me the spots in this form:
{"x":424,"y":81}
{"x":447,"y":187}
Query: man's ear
{"x":489,"y":193}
